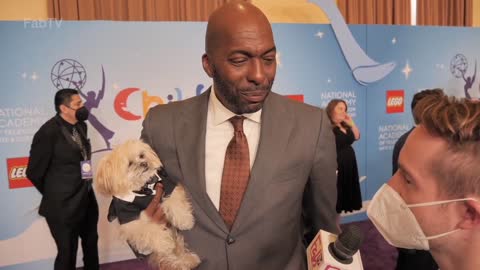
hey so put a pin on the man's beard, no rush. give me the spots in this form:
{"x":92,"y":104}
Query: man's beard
{"x":232,"y":96}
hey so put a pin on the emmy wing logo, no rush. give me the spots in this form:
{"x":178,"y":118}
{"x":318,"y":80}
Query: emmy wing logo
{"x":459,"y":69}
{"x":17,"y":173}
{"x":395,"y":101}
{"x":69,"y":73}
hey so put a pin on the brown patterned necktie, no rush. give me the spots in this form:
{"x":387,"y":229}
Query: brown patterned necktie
{"x":76,"y":137}
{"x":236,"y":172}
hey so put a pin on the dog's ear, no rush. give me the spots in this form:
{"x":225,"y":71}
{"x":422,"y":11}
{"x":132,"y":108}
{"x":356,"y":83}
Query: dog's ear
{"x":152,"y":156}
{"x":103,"y":177}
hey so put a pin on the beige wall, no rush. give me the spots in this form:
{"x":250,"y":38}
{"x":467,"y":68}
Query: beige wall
{"x":282,"y":11}
{"x":301,"y":11}
{"x":23,"y":9}
{"x":476,"y":13}
{"x":291,"y":11}
{"x":286,"y":11}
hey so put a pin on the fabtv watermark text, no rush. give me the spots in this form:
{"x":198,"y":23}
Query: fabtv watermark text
{"x":42,"y":24}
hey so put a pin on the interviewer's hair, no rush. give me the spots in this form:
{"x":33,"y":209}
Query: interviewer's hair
{"x":457,"y":121}
{"x":420,"y":95}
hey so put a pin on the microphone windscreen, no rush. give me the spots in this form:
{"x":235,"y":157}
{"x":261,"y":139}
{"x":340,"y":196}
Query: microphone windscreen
{"x":350,"y":240}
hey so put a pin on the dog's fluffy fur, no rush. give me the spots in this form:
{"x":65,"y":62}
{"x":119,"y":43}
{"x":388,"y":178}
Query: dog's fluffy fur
{"x":128,"y":168}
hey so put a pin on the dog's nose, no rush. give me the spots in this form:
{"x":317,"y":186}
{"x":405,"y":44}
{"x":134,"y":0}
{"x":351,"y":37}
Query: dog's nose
{"x":144,"y":164}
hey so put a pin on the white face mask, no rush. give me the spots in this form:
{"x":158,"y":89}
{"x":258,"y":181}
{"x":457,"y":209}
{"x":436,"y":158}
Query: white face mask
{"x":396,"y":222}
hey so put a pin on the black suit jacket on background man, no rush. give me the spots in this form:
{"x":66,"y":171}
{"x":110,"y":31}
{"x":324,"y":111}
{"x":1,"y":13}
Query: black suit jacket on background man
{"x":54,"y":169}
{"x":294,"y":167}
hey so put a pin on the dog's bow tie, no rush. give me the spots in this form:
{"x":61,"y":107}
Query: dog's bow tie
{"x":144,"y":191}
{"x":149,"y":187}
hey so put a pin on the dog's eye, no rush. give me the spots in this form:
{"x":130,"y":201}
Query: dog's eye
{"x":142,"y":156}
{"x":130,"y":163}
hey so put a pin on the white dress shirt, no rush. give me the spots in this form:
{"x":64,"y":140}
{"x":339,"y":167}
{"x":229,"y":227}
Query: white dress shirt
{"x":218,"y":134}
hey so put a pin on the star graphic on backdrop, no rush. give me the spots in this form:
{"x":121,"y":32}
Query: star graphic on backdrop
{"x":24,"y":75}
{"x":34,"y":76}
{"x":407,"y":70}
{"x":394,"y":40}
{"x":115,"y":86}
{"x":329,"y":80}
{"x":440,"y":66}
{"x":319,"y":34}
{"x":278,"y":59}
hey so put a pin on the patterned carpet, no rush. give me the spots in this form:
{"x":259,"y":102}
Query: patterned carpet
{"x":376,"y":253}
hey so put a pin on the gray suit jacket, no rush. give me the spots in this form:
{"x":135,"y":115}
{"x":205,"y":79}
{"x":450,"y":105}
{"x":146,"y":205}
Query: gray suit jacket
{"x":293,"y":176}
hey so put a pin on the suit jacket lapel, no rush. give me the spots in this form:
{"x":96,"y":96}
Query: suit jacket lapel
{"x":190,"y":130}
{"x":275,"y":130}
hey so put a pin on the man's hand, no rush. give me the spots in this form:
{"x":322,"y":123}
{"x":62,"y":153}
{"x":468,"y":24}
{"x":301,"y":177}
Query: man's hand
{"x":153,"y":210}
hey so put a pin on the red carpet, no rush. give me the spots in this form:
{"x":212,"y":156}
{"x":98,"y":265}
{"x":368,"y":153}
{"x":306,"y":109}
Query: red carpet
{"x":376,"y":253}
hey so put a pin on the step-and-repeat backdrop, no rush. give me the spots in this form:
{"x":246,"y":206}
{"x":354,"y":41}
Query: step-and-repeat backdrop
{"x":122,"y":69}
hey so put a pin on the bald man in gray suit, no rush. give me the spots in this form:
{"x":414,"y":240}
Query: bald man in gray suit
{"x":292,"y":185}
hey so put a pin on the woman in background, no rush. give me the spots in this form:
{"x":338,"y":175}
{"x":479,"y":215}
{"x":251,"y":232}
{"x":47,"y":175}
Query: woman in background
{"x":349,"y":197}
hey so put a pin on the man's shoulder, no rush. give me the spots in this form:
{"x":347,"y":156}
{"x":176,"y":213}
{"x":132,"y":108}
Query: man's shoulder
{"x":176,"y":106}
{"x":49,"y":127}
{"x":47,"y":131}
{"x":295,"y":107}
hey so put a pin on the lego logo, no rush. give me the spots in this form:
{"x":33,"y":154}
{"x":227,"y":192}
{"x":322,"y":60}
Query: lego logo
{"x":395,"y":101}
{"x":18,"y":173}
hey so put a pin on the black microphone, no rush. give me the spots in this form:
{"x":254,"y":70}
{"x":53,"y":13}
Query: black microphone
{"x":328,"y":251}
{"x":347,"y":244}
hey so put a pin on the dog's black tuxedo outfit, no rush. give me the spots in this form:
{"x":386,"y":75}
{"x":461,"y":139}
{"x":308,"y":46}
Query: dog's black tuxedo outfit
{"x":128,"y":209}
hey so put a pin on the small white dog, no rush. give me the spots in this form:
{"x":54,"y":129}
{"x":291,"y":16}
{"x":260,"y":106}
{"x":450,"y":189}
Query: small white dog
{"x":129,"y":174}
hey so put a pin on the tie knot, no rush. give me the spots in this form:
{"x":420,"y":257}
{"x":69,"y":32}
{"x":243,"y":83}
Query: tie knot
{"x":237,"y":122}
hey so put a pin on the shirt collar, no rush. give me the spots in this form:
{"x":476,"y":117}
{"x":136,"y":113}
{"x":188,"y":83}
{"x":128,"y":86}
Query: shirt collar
{"x":65,"y":123}
{"x":222,"y":114}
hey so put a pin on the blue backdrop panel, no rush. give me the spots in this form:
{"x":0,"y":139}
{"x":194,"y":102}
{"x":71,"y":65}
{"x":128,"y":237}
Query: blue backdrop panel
{"x":426,"y":57}
{"x":123,"y":68}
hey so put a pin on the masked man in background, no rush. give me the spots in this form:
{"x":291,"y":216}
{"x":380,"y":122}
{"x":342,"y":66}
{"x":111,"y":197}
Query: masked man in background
{"x":60,"y":168}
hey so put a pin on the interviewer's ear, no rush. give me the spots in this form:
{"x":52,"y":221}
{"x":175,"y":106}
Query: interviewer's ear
{"x":471,"y":215}
{"x":207,"y":66}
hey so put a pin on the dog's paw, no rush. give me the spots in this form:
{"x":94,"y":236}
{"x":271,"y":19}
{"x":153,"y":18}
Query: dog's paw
{"x":138,"y":234}
{"x":178,"y":209}
{"x":179,"y":257}
{"x":190,"y":260}
{"x":176,"y":262}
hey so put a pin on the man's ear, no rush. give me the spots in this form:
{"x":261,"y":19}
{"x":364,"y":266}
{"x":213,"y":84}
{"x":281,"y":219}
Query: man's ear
{"x":207,"y":65}
{"x":471,"y":215}
{"x":63,"y":108}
